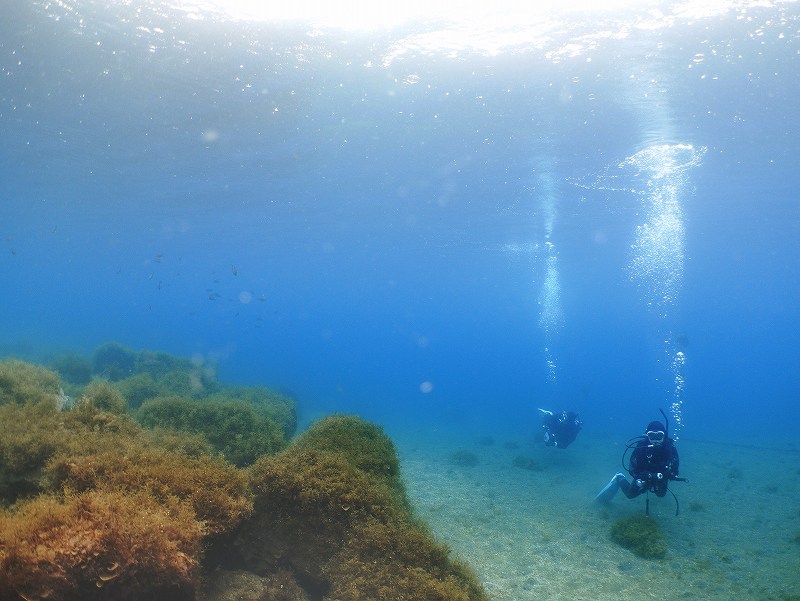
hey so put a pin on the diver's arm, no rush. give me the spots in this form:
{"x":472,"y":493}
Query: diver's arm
{"x":638,"y":469}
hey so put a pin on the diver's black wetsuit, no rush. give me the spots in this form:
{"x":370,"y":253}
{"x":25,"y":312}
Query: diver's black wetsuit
{"x":648,"y":462}
{"x":560,"y":429}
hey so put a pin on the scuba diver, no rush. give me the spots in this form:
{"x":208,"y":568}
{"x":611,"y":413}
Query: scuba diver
{"x":653,"y":464}
{"x":560,"y":429}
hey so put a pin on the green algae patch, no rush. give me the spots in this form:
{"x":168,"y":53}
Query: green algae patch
{"x":73,"y":369}
{"x":24,"y":383}
{"x":363,"y":445}
{"x":100,"y":394}
{"x":233,"y":428}
{"x":113,"y":361}
{"x":399,"y":560}
{"x":267,"y":403}
{"x":640,"y":534}
{"x":332,"y":507}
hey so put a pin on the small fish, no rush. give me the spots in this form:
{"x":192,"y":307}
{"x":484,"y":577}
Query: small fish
{"x":214,"y":296}
{"x":234,"y":271}
{"x":13,"y":251}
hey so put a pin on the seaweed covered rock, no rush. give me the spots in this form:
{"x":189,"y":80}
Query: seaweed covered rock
{"x":157,"y":364}
{"x":34,"y":435}
{"x":145,"y":375}
{"x":72,"y":368}
{"x":25,"y":383}
{"x":305,"y":503}
{"x":141,"y":375}
{"x":136,"y":389}
{"x":641,"y":534}
{"x":177,"y":375}
{"x":104,"y":396}
{"x":141,"y":387}
{"x":31,"y":435}
{"x":214,"y":489}
{"x":331,"y":510}
{"x":239,"y":585}
{"x":103,"y":509}
{"x":269,"y":404}
{"x":100,"y":545}
{"x":100,"y":507}
{"x":234,"y":429}
{"x":398,"y":560}
{"x":86,"y":448}
{"x":363,"y":444}
{"x":113,"y":361}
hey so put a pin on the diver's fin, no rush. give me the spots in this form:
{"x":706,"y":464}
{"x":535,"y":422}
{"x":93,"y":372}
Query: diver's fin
{"x":545,"y":411}
{"x":610,"y":489}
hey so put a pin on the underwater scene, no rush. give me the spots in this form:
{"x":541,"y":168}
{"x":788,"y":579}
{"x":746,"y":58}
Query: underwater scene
{"x":419,"y":301}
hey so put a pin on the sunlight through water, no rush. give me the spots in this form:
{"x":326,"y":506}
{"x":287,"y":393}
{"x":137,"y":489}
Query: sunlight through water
{"x":355,"y":14}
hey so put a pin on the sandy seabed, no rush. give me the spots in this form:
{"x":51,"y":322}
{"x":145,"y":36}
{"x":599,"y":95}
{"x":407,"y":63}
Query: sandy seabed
{"x":537,"y":534}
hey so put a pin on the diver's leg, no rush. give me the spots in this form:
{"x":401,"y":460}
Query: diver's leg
{"x":610,"y":489}
{"x":631,"y":490}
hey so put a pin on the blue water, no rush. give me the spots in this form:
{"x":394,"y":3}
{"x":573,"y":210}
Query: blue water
{"x":412,"y":224}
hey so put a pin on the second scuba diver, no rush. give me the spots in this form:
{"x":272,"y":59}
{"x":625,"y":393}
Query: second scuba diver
{"x":653,"y":464}
{"x":560,"y":429}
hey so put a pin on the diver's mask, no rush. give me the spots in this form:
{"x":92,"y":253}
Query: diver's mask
{"x":655,"y":437}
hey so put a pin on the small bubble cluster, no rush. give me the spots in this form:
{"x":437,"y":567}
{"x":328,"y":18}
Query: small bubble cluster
{"x":551,"y":366}
{"x":676,"y":408}
{"x":551,"y":316}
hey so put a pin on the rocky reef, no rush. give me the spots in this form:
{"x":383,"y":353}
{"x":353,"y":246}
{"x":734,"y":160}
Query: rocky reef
{"x":200,"y":493}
